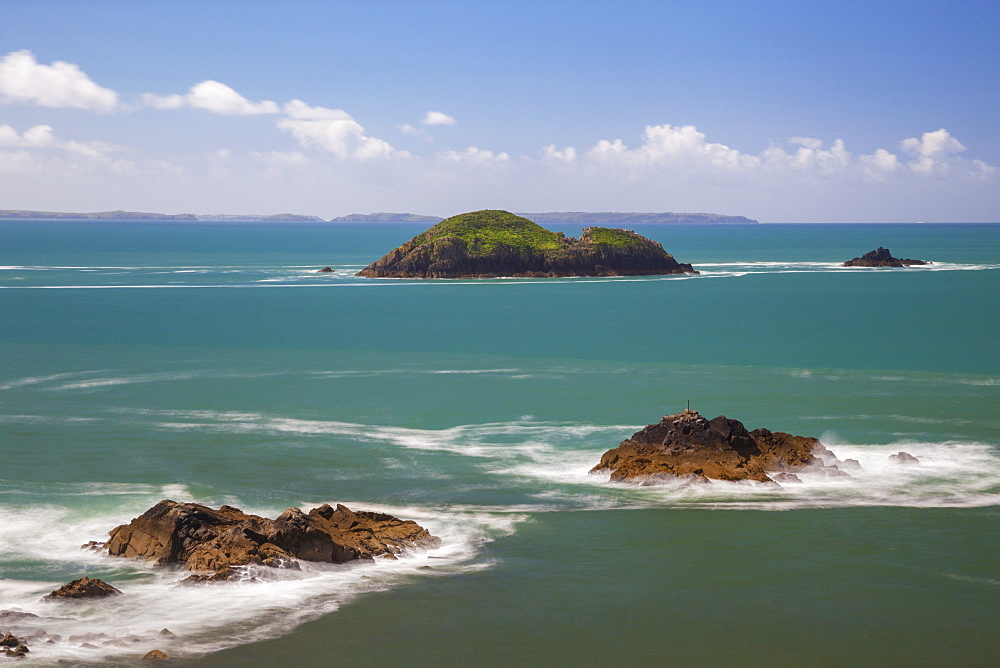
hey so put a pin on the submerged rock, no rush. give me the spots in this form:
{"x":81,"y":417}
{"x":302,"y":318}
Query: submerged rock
{"x":688,"y":445}
{"x":880,"y":257}
{"x":83,"y":588}
{"x":203,"y":539}
{"x":488,"y":244}
{"x":325,"y":270}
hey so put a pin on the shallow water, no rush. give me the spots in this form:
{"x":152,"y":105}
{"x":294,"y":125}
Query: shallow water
{"x":210,"y":363}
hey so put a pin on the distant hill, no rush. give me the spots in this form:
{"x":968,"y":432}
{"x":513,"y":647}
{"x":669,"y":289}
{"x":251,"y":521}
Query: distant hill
{"x":277,"y":218}
{"x":615,"y":219}
{"x":386,"y":218}
{"x":101,"y":215}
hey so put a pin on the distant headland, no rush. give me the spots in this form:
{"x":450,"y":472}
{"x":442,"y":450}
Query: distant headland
{"x":609,"y":218}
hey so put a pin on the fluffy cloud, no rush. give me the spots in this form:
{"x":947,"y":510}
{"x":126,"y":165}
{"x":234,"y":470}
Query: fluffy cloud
{"x":334,"y":131}
{"x":438,"y":118}
{"x":474,"y":155}
{"x":566,"y":154}
{"x":212,"y":96}
{"x":672,"y":145}
{"x":23,"y":80}
{"x":38,"y":136}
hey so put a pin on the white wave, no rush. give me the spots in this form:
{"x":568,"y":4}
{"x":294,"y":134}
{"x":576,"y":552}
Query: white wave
{"x":37,"y":380}
{"x":96,"y":383}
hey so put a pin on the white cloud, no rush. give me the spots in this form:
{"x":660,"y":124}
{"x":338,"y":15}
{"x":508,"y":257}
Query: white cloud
{"x":673,"y":145}
{"x":213,"y":96}
{"x":38,"y":136}
{"x":23,"y":80}
{"x":933,"y":151}
{"x":566,"y":154}
{"x":334,"y":131}
{"x":438,"y":118}
{"x":474,"y":155}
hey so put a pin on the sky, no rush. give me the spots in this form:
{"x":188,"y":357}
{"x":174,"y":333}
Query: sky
{"x":782,"y":111}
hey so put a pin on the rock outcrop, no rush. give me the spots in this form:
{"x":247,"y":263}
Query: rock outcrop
{"x":688,"y":445}
{"x":902,"y":457}
{"x":490,"y":244}
{"x":203,"y":539}
{"x":880,"y":257}
{"x":83,"y":588}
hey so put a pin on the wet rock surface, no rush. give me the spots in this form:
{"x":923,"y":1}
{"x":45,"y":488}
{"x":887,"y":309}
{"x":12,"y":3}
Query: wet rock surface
{"x":686,"y":445}
{"x":204,"y":539}
{"x":881,"y":257}
{"x":83,"y":588}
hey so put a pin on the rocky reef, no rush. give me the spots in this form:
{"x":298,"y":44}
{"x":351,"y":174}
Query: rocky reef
{"x":83,"y":588}
{"x":686,"y":445}
{"x":203,"y":539}
{"x":881,"y":257}
{"x":489,"y":244}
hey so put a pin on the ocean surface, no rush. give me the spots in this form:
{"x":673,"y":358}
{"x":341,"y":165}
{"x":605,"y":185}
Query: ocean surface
{"x":210,"y":362}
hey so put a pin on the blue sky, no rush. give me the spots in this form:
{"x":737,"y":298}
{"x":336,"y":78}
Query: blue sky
{"x":782,"y":111}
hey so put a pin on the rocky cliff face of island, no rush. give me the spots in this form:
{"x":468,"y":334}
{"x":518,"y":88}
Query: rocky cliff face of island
{"x":688,"y":445}
{"x":203,"y":539}
{"x":881,"y":257}
{"x":486,"y":244}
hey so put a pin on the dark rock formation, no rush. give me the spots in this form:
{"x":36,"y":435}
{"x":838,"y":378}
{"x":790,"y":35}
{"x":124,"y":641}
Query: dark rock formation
{"x":325,"y":270}
{"x":903,"y":458}
{"x":688,"y":445}
{"x":203,"y":539}
{"x":880,"y":257}
{"x":489,"y":244}
{"x":83,"y":588}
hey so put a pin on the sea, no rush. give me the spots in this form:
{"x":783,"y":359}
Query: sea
{"x":210,"y":362}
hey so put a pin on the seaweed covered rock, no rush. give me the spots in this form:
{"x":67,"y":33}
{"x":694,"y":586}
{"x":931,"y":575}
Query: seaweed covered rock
{"x":486,"y":244}
{"x":203,"y":539}
{"x":688,"y":445}
{"x":880,"y":257}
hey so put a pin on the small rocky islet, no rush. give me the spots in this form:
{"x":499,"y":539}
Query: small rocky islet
{"x":494,"y":244}
{"x":881,"y":257}
{"x":688,"y":446}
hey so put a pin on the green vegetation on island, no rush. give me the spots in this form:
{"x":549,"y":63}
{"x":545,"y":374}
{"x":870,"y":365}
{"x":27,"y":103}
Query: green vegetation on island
{"x":493,"y":243}
{"x":484,"y":231}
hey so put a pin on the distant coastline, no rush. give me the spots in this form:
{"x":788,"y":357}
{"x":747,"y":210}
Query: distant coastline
{"x":550,"y":218}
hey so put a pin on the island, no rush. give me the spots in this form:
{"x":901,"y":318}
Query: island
{"x":494,"y":243}
{"x":686,"y":446}
{"x":100,"y":215}
{"x":615,"y":218}
{"x":385,"y":218}
{"x":881,"y":257}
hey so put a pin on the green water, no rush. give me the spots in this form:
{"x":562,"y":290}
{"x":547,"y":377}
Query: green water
{"x":211,"y":363}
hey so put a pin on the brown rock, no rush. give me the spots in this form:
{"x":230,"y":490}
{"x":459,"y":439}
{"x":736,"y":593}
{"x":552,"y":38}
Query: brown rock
{"x":155,"y":655}
{"x":83,"y":588}
{"x":204,"y":539}
{"x":10,"y":640}
{"x":688,"y":445}
{"x":325,"y":270}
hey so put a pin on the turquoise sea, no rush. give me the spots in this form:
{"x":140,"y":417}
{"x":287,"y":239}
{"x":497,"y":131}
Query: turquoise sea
{"x":209,"y":362}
